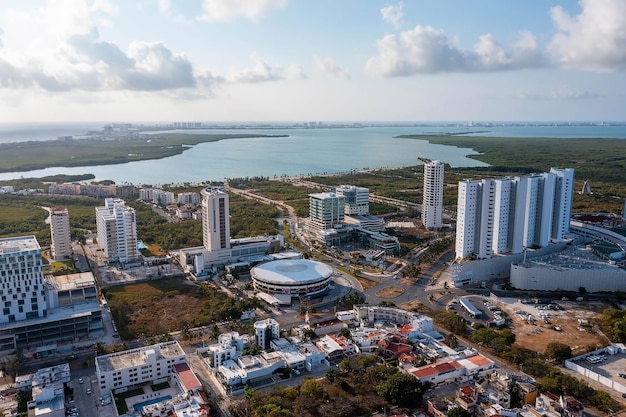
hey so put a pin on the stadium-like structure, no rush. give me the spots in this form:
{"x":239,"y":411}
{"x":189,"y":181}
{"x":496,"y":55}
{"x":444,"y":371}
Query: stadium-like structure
{"x":294,"y":277}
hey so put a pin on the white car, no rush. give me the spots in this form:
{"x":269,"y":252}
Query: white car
{"x":80,"y":380}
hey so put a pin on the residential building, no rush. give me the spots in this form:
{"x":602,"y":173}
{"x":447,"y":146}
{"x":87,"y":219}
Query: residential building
{"x":61,"y":246}
{"x":117,"y":231}
{"x":215,"y":219}
{"x":131,"y":368}
{"x":156,"y":196}
{"x":432,"y":201}
{"x":47,"y":388}
{"x":265,"y":331}
{"x":506,"y":216}
{"x":357,"y":199}
{"x":188,"y":198}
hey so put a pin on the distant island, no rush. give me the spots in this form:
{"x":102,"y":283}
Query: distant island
{"x":102,"y":150}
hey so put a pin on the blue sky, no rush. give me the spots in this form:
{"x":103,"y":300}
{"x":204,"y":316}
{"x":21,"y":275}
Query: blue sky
{"x":302,"y":60}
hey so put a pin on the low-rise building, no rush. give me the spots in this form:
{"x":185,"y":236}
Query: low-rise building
{"x":117,"y":372}
{"x":48,"y":392}
{"x":335,"y":347}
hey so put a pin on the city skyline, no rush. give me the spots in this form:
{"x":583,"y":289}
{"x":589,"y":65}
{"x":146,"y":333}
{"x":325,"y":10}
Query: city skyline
{"x":288,"y":60}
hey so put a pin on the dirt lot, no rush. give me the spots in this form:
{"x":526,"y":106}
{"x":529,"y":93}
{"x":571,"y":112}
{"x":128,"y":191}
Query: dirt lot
{"x":390,"y":292}
{"x":537,"y":336}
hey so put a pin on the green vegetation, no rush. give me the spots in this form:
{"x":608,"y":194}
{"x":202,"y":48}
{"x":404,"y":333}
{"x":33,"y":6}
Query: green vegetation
{"x":37,"y":183}
{"x":613,"y":323}
{"x":23,"y":215}
{"x":560,"y":352}
{"x":26,"y":156}
{"x":63,"y":268}
{"x":157,"y":307}
{"x":120,"y":399}
{"x":359,"y":388}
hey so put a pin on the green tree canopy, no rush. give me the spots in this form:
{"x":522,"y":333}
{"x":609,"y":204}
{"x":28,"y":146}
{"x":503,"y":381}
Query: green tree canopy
{"x":401,"y":389}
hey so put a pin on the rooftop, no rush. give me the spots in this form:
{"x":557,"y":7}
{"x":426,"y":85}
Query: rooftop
{"x":71,"y":281}
{"x":137,"y":357}
{"x":18,"y":244}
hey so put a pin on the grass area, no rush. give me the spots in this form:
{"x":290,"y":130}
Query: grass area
{"x":23,"y":215}
{"x":63,"y":268}
{"x":157,"y":307}
{"x":26,"y":156}
{"x":120,"y":400}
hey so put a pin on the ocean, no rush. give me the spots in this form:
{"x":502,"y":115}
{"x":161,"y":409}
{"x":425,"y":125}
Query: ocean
{"x":303,"y":152}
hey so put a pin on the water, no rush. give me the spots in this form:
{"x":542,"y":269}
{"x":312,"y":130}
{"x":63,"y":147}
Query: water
{"x":305,"y":151}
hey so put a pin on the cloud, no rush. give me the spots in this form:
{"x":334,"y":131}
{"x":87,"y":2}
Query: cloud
{"x":1,"y":33}
{"x":562,"y":93}
{"x":393,"y":14}
{"x":261,"y":72}
{"x":425,"y":50}
{"x":86,"y":63}
{"x":594,"y":40}
{"x":230,"y":9}
{"x":329,"y":67}
{"x":104,"y":6}
{"x":296,"y":72}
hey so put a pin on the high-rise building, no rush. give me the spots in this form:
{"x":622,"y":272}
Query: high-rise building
{"x":432,"y":201}
{"x":215,"y":219}
{"x":326,"y":210}
{"x":21,"y":273}
{"x":507,"y":215}
{"x":61,"y":246}
{"x":117,"y":231}
{"x":357,"y":199}
{"x":564,"y":186}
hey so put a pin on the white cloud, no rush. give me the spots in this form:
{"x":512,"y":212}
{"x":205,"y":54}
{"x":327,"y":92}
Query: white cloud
{"x":1,"y":32}
{"x":561,"y":93}
{"x":261,"y":72}
{"x":425,"y":50}
{"x":594,"y":40}
{"x":229,"y":9}
{"x":296,"y":72}
{"x":393,"y":14}
{"x":104,"y":6}
{"x":329,"y":67}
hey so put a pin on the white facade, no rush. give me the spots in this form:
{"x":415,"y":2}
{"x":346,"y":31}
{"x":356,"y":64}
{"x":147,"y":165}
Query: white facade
{"x":564,"y":186}
{"x":129,"y":368}
{"x":326,"y":210}
{"x":188,"y":198}
{"x":265,"y":331}
{"x":156,"y":196}
{"x":61,"y":246}
{"x":357,"y":199}
{"x":117,"y":231}
{"x":505,"y":216}
{"x":215,"y":219}
{"x":22,"y":291}
{"x":432,"y":201}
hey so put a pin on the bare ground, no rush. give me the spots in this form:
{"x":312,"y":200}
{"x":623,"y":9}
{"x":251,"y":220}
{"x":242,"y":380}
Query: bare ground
{"x":390,"y":292}
{"x":537,"y":336}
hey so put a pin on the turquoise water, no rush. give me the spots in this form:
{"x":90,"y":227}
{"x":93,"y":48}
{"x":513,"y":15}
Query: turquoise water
{"x":308,"y":151}
{"x":139,"y":406}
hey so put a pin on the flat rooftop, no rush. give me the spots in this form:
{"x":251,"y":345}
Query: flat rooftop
{"x":71,"y":281}
{"x":570,"y":258}
{"x":18,"y":244}
{"x":137,"y":357}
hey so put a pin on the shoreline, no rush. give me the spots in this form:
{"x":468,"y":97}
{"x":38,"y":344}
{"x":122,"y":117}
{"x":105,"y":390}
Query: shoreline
{"x":18,"y":157}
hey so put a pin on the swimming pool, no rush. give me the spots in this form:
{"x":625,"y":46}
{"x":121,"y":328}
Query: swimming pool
{"x":139,"y":406}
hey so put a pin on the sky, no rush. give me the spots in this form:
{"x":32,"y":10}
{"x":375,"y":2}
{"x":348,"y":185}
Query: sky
{"x":304,"y":60}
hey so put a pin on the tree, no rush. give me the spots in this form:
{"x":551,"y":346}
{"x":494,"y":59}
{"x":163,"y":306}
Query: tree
{"x":558,"y":351}
{"x":458,"y":412}
{"x":401,"y":389}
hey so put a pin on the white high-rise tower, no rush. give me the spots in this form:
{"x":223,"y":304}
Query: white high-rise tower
{"x":432,"y":202}
{"x":215,"y":219}
{"x":563,"y":194}
{"x":117,"y":231}
{"x":61,"y":246}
